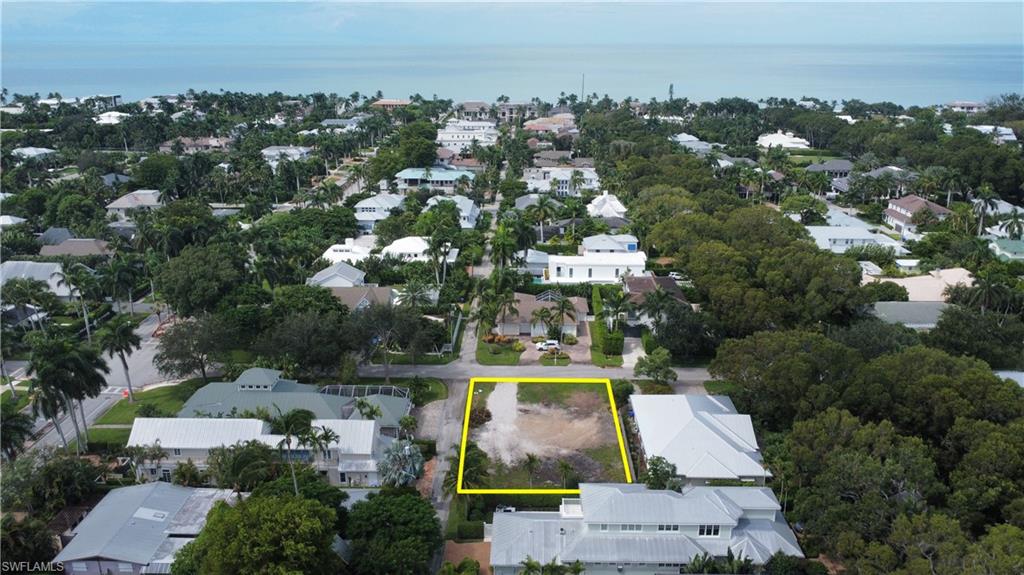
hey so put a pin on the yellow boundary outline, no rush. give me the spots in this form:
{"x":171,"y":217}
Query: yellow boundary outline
{"x":465,"y":432}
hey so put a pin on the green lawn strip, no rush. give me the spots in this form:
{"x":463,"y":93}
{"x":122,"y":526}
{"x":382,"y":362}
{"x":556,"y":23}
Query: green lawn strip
{"x":438,"y":390}
{"x":610,"y":459}
{"x":23,"y":397}
{"x":719,"y":387}
{"x":554,"y":361}
{"x":597,"y":331}
{"x":496,"y":354}
{"x":506,"y":477}
{"x":103,"y":439}
{"x":169,"y":400}
{"x":557,"y":393}
{"x":456,"y":514}
{"x":648,"y":387}
{"x":481,"y":391}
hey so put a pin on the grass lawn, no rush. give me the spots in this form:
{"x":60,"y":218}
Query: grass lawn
{"x":481,"y":391}
{"x":169,"y":400}
{"x":424,"y":359}
{"x":23,"y":398}
{"x":238,"y":356}
{"x":648,"y":387}
{"x":597,"y":331}
{"x":557,"y":393}
{"x":496,"y":354}
{"x":456,"y":515}
{"x":106,"y":438}
{"x":438,"y":390}
{"x":719,"y":387}
{"x":610,"y":459}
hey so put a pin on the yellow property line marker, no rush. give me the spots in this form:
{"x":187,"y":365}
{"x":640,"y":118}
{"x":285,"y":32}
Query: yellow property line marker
{"x":465,"y":432}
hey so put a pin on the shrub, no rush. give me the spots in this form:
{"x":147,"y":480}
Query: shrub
{"x":478,"y":416}
{"x":428,"y":447}
{"x":489,"y":338}
{"x":650,"y":344}
{"x":470,"y":530}
{"x":570,"y":340}
{"x":518,"y":346}
{"x":538,"y":338}
{"x":621,"y":390}
{"x":613,"y":343}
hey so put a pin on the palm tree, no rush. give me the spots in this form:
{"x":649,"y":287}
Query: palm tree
{"x":291,"y":425}
{"x":576,"y":181}
{"x":531,"y":464}
{"x":505,"y":304}
{"x":65,"y":277}
{"x":319,"y":438}
{"x":6,"y":349}
{"x":656,"y":303}
{"x":416,"y":294}
{"x":543,"y":316}
{"x":1014,"y":226}
{"x":368,"y":410}
{"x":503,"y":246}
{"x":541,"y":212}
{"x":985,"y":201}
{"x":574,"y":210}
{"x":119,"y":337}
{"x":401,"y":464}
{"x":47,"y":401}
{"x":65,"y":371}
{"x":616,"y":305}
{"x":565,"y":470}
{"x":564,"y":308}
{"x":15,"y":430}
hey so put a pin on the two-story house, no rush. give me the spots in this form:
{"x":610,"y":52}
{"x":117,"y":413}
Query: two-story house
{"x":539,"y":180}
{"x":459,"y":135}
{"x":834,"y":168}
{"x":606,"y":206}
{"x":440,"y":178}
{"x":137,"y":200}
{"x":468,"y":210}
{"x":900,"y":213}
{"x":610,"y":244}
{"x":838,"y":239}
{"x":628,"y":528}
{"x":374,"y":209}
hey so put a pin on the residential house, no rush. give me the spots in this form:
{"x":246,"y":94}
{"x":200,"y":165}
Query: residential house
{"x":468,"y":164}
{"x":7,"y":221}
{"x":552,"y":158}
{"x":702,"y":435}
{"x":838,"y":239}
{"x":473,"y":111}
{"x":918,"y":315}
{"x":376,"y":208}
{"x":606,"y":206}
{"x":350,"y":460}
{"x":273,"y":155}
{"x":415,"y":249}
{"x":53,"y":236}
{"x":637,"y":287}
{"x":1007,"y":249}
{"x":440,"y":178}
{"x":138,"y":529}
{"x":264,"y":389}
{"x":1000,"y":134}
{"x":900,"y":213}
{"x":32,"y":153}
{"x":694,"y":144}
{"x":345,"y":125}
{"x":137,"y":200}
{"x":347,"y":252}
{"x":390,"y":104}
{"x":193,"y":145}
{"x":610,"y":244}
{"x":525,"y":201}
{"x":594,"y":267}
{"x":46,"y":272}
{"x":615,"y":528}
{"x":561,"y":123}
{"x":965,"y":106}
{"x":782,"y":140}
{"x":834,"y":168}
{"x":459,"y":135}
{"x":360,"y":297}
{"x":539,"y":180}
{"x":111,"y":118}
{"x":900,"y":180}
{"x":930,"y":286}
{"x":513,"y":111}
{"x":112,"y":180}
{"x":565,"y":226}
{"x":77,"y":247}
{"x":468,"y":210}
{"x":340,"y":274}
{"x":533,"y":261}
{"x":523,"y":323}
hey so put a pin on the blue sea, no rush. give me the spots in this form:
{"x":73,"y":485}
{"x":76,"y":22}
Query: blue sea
{"x":904,"y":74}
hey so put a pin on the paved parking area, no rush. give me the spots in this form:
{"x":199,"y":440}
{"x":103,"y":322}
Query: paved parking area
{"x":578,"y":353}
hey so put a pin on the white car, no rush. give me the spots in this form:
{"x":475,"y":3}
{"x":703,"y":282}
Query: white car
{"x":549,"y":344}
{"x":676,"y":276}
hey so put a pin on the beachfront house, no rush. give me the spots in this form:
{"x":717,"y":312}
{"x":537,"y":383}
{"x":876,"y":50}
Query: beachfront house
{"x":138,"y":529}
{"x":615,"y":528}
{"x":702,"y":435}
{"x":468,"y":210}
{"x":524,"y":323}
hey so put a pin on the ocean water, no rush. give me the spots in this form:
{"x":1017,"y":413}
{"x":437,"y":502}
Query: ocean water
{"x":903,"y":74}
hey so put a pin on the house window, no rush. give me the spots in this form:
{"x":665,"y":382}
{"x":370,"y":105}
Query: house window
{"x":570,"y":272}
{"x":708,"y":530}
{"x":668,"y":528}
{"x":165,"y":475}
{"x":558,"y":271}
{"x":604,"y":527}
{"x":616,"y":272}
{"x":590,"y":272}
{"x":631,"y":527}
{"x":124,"y":568}
{"x":342,"y":478}
{"x":79,"y":566}
{"x":177,"y":451}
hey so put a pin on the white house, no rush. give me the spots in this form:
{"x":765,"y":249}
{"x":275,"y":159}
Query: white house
{"x":32,"y":153}
{"x":838,"y":239}
{"x":606,"y":206}
{"x":339,"y":274}
{"x":702,"y":435}
{"x":376,"y":208}
{"x":111,"y":118}
{"x":595,"y":267}
{"x":46,"y":272}
{"x":931,"y":286}
{"x":274,"y":154}
{"x":782,"y":140}
{"x":351,"y":460}
{"x":967,"y":107}
{"x":459,"y":135}
{"x":539,"y":180}
{"x":6,"y":220}
{"x":414,"y":249}
{"x":900,"y":213}
{"x":611,"y":244}
{"x":468,"y":211}
{"x":347,"y":252}
{"x":137,"y":200}
{"x":616,"y":528}
{"x":1000,"y":134}
{"x":438,"y":178}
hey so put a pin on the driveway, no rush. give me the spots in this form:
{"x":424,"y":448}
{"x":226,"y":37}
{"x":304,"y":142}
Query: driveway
{"x":632,"y":350}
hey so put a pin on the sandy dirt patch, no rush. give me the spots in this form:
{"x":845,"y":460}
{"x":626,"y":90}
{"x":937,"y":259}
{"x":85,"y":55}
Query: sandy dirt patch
{"x":481,"y":551}
{"x":515,"y":430}
{"x":425,"y":484}
{"x":428,"y":420}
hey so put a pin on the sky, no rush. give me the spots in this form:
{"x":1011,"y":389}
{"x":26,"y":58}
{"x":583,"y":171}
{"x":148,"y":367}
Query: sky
{"x":43,"y":23}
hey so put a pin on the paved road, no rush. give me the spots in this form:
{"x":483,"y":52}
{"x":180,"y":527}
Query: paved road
{"x":464,"y":368}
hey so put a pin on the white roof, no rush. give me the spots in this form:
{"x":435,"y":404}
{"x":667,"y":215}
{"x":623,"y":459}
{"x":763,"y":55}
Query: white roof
{"x":701,"y":435}
{"x":356,"y":436}
{"x":607,"y":206}
{"x":111,"y":117}
{"x":635,"y":259}
{"x":347,"y":252}
{"x":136,"y":199}
{"x":782,"y":140}
{"x":42,"y":271}
{"x":6,"y":220}
{"x":930,"y":286}
{"x":618,"y":242}
{"x":340,"y":269}
{"x":32,"y":152}
{"x":823,"y":236}
{"x":414,"y":245}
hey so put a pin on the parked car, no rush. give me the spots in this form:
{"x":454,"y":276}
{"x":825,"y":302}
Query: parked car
{"x":676,"y":276}
{"x":549,"y":344}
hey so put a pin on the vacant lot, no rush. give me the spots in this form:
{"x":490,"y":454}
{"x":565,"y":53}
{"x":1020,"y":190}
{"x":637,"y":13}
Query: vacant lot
{"x":566,"y":429}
